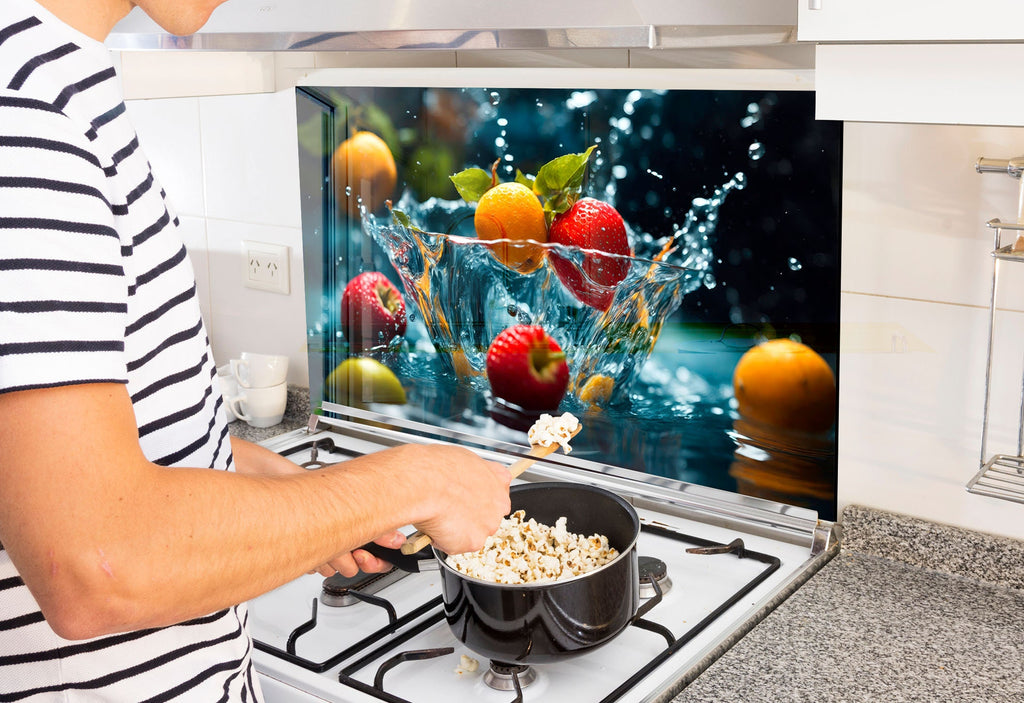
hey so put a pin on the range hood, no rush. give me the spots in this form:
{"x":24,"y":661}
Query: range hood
{"x":356,"y":25}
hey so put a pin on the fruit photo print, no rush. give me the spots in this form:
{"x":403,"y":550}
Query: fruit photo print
{"x":664,"y":264}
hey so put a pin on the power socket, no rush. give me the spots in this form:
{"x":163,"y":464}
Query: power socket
{"x":265,"y":267}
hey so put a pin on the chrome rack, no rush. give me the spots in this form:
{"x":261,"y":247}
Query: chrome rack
{"x":1001,"y":475}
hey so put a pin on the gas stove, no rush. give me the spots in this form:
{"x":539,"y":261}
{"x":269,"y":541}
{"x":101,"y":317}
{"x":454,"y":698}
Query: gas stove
{"x":713,"y":563}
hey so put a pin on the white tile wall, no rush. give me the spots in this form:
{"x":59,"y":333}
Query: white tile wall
{"x":159,"y":74}
{"x":230,"y":167}
{"x":244,"y":319}
{"x":916,"y":282}
{"x":169,"y":133}
{"x":916,"y":279}
{"x":250,"y":158}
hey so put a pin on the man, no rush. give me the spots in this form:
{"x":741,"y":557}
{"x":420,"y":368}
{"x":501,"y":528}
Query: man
{"x":124,"y":556}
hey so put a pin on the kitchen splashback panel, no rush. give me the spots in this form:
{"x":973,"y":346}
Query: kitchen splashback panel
{"x":745,"y":182}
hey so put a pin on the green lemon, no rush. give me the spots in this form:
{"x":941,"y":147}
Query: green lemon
{"x":361,"y":380}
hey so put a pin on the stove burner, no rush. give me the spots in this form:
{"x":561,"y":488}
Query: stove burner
{"x":502,"y":677}
{"x":653,"y":568}
{"x":340,"y":591}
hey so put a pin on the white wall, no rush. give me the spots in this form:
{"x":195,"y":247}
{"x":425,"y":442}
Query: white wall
{"x":916,"y":276}
{"x":916,"y":281}
{"x":230,"y":167}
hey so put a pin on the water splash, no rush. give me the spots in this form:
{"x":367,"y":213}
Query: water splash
{"x":464,"y":297}
{"x":752,"y":117}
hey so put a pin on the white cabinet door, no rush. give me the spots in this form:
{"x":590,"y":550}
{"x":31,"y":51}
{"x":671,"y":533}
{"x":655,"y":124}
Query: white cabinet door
{"x":965,"y":83}
{"x":910,"y":20}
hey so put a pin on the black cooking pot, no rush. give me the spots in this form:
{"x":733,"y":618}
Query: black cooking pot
{"x":542,"y":622}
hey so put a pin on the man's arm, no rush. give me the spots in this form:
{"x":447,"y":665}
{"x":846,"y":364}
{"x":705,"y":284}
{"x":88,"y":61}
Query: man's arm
{"x":250,"y":458}
{"x":107,"y":541}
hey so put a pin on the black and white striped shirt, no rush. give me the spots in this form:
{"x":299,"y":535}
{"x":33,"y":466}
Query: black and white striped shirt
{"x":95,"y":286}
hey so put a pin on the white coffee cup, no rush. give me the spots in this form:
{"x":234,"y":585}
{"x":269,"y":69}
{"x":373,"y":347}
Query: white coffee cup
{"x":259,"y":370}
{"x":260,"y":407}
{"x":228,"y":387}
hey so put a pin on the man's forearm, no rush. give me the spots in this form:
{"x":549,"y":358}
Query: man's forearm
{"x":107,"y":541}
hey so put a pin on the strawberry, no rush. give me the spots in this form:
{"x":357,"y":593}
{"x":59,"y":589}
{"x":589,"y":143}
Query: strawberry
{"x":526,"y":367}
{"x":591,"y":224}
{"x":372,"y":311}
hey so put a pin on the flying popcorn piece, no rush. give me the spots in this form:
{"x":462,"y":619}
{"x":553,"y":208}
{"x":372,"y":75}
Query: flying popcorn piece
{"x":549,"y":430}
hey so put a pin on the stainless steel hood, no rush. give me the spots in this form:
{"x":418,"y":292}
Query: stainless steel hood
{"x":356,"y":25}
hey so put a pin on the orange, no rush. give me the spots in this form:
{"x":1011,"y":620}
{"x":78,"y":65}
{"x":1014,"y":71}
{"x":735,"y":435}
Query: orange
{"x":597,"y":390}
{"x":785,"y":384}
{"x":364,"y":168}
{"x":511,"y":211}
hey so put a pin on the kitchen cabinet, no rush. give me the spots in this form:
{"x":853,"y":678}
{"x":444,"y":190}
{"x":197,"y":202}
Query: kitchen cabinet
{"x":923,"y":62}
{"x":923,"y":20}
{"x":925,"y":83}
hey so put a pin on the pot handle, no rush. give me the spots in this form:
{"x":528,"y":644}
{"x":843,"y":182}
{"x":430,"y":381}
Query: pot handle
{"x":414,"y":563}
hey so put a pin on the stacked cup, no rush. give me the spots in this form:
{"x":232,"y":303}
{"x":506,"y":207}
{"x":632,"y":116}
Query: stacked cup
{"x":262,"y":392}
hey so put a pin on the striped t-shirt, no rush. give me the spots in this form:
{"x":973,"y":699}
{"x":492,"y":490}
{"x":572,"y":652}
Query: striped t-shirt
{"x":95,"y":286}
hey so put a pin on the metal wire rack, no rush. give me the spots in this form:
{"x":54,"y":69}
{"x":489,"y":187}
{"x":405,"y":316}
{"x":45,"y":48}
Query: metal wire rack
{"x":1001,"y":475}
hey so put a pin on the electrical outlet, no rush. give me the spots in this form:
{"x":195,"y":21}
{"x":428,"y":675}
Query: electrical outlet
{"x":265,"y":267}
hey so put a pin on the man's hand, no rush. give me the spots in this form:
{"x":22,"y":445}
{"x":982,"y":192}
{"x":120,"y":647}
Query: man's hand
{"x":468,"y":496}
{"x":350,"y":563}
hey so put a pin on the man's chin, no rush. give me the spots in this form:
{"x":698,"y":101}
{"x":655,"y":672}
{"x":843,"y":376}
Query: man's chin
{"x":180,"y":19}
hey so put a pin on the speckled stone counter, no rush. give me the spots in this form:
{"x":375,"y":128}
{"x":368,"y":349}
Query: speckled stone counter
{"x":908,"y":611}
{"x":296,"y":414}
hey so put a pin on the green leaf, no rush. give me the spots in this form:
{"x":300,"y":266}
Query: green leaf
{"x":558,"y":203}
{"x":562,"y":174}
{"x":472,"y":183}
{"x":404,"y":220}
{"x":401,"y":218}
{"x":524,"y":179}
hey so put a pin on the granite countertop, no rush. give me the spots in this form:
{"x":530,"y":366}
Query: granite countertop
{"x":909,"y":610}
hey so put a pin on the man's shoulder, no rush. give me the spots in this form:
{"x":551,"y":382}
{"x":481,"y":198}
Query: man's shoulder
{"x":28,"y":123}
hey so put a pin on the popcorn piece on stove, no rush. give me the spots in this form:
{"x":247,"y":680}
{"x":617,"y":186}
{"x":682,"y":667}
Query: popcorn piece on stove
{"x":525,"y":551}
{"x":468,"y":663}
{"x":550,"y":430}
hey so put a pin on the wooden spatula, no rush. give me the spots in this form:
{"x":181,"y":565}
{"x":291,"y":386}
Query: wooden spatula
{"x":418,"y":540}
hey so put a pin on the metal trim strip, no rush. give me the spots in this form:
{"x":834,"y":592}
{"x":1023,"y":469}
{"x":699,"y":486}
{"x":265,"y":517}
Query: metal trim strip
{"x":712,"y":504}
{"x":624,"y":37}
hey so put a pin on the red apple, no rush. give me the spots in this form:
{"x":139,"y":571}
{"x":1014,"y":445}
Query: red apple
{"x":372,"y":311}
{"x":591,"y":224}
{"x":526,"y":367}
